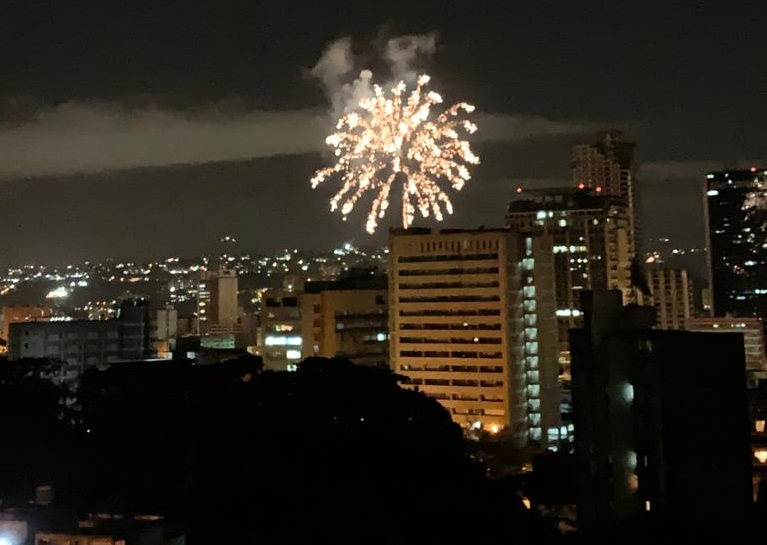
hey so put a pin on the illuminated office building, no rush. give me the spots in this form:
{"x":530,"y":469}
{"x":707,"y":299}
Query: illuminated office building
{"x":217,"y":308}
{"x":736,"y":244}
{"x":592,"y":246}
{"x":347,"y":318}
{"x":280,"y":339}
{"x":472,"y":325}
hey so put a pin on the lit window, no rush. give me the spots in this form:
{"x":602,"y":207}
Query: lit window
{"x":761,"y":455}
{"x":631,"y":459}
{"x":626,"y":392}
{"x":759,"y":425}
{"x":293,"y":354}
{"x":529,"y":291}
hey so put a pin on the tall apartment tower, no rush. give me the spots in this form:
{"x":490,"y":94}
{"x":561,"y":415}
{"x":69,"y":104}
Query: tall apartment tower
{"x":608,"y":163}
{"x":217,"y":308}
{"x":471,"y":316}
{"x":591,"y":246}
{"x":736,"y":243}
{"x":672,"y":296}
{"x":643,"y":403}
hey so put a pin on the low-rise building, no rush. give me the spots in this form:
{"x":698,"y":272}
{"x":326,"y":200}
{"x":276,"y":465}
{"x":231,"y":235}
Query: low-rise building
{"x":280,"y":340}
{"x":85,"y":343}
{"x":347,"y":317}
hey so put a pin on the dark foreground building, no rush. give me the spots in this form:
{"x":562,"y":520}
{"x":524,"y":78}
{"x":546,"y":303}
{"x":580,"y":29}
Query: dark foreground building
{"x":661,"y":421}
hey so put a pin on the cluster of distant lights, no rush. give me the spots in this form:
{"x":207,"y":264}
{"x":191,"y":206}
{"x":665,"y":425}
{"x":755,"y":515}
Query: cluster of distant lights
{"x":67,"y":279}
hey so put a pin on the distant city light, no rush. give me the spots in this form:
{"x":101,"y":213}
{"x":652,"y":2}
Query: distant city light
{"x":57,"y":293}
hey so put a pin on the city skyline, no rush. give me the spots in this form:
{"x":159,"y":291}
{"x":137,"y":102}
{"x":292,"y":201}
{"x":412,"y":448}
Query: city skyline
{"x":115,"y":118}
{"x":382,"y":273}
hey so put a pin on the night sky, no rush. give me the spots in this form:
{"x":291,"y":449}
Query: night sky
{"x":154,"y":130}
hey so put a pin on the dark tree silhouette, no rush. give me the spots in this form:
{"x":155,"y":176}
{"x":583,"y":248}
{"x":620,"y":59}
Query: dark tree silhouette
{"x":334,"y":452}
{"x":33,"y":429}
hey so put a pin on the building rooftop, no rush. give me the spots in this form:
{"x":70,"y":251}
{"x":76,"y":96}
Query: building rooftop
{"x":437,"y":231}
{"x":356,"y":279}
{"x":562,"y":198}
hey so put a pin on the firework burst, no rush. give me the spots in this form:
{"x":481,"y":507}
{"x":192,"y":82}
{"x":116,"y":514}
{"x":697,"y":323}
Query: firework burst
{"x":390,"y":138}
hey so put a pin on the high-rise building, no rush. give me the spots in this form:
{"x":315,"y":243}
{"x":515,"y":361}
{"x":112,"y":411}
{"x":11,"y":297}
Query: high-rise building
{"x":661,"y":420}
{"x":752,"y":330}
{"x":672,"y":296}
{"x":608,"y":163}
{"x":591,"y":245}
{"x":347,"y":317}
{"x":217,"y":308}
{"x":736,"y":244}
{"x":472,"y":325}
{"x":280,"y":339}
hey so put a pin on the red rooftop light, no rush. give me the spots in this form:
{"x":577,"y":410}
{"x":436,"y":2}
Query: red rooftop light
{"x":753,"y":169}
{"x":519,"y":189}
{"x":598,"y":189}
{"x":581,"y":186}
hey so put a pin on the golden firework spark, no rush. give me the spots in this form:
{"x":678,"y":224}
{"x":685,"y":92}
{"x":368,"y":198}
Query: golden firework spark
{"x":391,"y":137}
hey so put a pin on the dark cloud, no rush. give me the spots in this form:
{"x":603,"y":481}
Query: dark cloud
{"x":104,"y":90}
